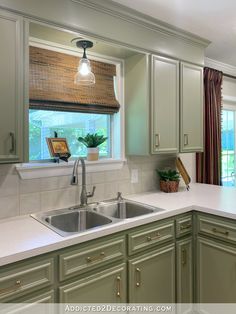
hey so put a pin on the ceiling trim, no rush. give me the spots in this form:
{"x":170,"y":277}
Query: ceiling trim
{"x":225,"y":68}
{"x":135,"y":17}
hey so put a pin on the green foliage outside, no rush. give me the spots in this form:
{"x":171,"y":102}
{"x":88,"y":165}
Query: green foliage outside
{"x":38,"y":149}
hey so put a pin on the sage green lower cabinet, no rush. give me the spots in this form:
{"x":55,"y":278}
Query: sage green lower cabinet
{"x":24,"y":278}
{"x":107,"y":286}
{"x":184,"y":264}
{"x":152,"y":276}
{"x":216,"y":272}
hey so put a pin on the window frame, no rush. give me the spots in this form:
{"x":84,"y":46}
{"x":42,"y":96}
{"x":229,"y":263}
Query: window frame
{"x":117,"y":147}
{"x":231,"y":107}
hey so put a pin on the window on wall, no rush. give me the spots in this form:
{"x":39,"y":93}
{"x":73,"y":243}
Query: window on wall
{"x":228,"y":147}
{"x":71,"y":125}
{"x":57,"y":105}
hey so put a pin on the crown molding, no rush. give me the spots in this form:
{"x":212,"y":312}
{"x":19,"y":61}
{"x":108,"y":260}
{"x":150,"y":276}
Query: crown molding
{"x":225,"y":68}
{"x":130,"y":15}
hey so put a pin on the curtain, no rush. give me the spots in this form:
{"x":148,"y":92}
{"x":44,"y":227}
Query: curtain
{"x":208,"y":163}
{"x":51,"y":84}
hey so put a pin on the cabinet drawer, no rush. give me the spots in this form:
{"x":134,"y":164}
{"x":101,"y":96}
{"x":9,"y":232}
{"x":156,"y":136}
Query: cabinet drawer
{"x":148,"y":237}
{"x":21,"y":280}
{"x":183,"y":226}
{"x":91,"y":256}
{"x":216,"y":227}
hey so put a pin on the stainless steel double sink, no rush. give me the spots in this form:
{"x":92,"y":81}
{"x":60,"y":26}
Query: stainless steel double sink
{"x":74,"y":220}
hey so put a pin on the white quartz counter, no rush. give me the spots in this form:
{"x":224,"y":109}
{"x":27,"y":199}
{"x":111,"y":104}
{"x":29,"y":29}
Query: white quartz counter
{"x":24,"y":237}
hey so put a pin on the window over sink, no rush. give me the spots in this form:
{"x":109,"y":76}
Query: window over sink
{"x":44,"y":121}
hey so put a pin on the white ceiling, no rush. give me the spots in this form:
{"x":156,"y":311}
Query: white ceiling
{"x":214,"y":20}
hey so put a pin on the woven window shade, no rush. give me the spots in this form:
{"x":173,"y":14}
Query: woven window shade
{"x":51,"y":84}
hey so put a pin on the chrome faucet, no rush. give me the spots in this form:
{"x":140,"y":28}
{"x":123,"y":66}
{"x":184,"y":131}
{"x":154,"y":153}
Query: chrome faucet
{"x":74,"y":181}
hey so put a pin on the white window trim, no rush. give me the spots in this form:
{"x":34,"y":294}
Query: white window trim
{"x":42,"y":168}
{"x":229,"y":103}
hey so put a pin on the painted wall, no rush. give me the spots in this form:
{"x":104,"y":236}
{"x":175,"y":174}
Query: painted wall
{"x":229,"y":89}
{"x":116,"y":25}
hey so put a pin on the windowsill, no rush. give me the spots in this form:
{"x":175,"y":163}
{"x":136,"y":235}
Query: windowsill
{"x":42,"y":170}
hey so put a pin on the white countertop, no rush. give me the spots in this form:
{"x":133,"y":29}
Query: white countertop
{"x":23,"y":237}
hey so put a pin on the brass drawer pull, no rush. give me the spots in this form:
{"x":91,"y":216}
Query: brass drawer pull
{"x":184,"y":257}
{"x":184,"y":227}
{"x":95,"y":258}
{"x":185,"y":139}
{"x":118,"y":280}
{"x":138,"y":277}
{"x":16,"y":286}
{"x":157,"y":140}
{"x":154,"y":238}
{"x":226,"y":233}
{"x":12,"y":149}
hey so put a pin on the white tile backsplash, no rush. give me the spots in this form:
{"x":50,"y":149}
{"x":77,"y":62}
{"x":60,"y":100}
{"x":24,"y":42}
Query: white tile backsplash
{"x":20,"y":197}
{"x":9,"y":206}
{"x":30,"y":203}
{"x":30,"y":186}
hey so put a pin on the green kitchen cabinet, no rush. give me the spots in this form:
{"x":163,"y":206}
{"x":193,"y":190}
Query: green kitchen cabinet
{"x":216,"y":271}
{"x":11,"y":87}
{"x":164,"y":105}
{"x":184,"y":266}
{"x":152,"y":276}
{"x":191,"y":108}
{"x":23,"y":278}
{"x":137,"y":109}
{"x":164,"y":97}
{"x":106,"y":286}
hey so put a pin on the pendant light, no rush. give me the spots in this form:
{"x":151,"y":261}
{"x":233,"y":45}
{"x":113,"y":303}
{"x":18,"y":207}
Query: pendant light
{"x":84,"y":75}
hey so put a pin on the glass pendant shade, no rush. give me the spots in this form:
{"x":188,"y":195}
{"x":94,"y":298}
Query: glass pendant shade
{"x":88,"y":79}
{"x":84,"y":76}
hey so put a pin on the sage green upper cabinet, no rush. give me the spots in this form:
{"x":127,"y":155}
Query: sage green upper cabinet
{"x":191,"y":108}
{"x":163,"y":108}
{"x":11,"y":87}
{"x":164,"y":105}
{"x":137,"y":104}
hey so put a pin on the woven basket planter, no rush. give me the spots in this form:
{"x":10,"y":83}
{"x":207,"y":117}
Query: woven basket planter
{"x":169,"y":186}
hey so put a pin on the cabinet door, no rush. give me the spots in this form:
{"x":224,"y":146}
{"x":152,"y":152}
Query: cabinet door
{"x":191,"y":108}
{"x":152,"y":277}
{"x":11,"y":87}
{"x":165,"y":105}
{"x":216,"y":272}
{"x":184,"y":271}
{"x":108,"y":286}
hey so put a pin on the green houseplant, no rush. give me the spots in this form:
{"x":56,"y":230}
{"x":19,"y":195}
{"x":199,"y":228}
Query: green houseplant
{"x":169,"y":180}
{"x":92,"y":141}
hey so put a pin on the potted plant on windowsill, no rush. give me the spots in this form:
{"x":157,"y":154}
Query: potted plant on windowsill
{"x":169,"y":180}
{"x":92,"y":141}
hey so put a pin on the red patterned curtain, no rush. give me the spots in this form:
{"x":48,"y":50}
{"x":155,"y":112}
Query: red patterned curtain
{"x":208,"y":163}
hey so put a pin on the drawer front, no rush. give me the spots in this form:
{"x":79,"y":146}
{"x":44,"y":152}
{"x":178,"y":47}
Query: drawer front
{"x":22,"y":280}
{"x":184,"y":226}
{"x":216,"y":227}
{"x":148,"y":237}
{"x":92,"y":256}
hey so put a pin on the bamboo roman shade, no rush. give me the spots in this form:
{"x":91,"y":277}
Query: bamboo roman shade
{"x":51,"y":84}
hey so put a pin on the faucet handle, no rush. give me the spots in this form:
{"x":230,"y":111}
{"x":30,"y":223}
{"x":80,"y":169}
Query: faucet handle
{"x":91,"y":194}
{"x":119,"y":196}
